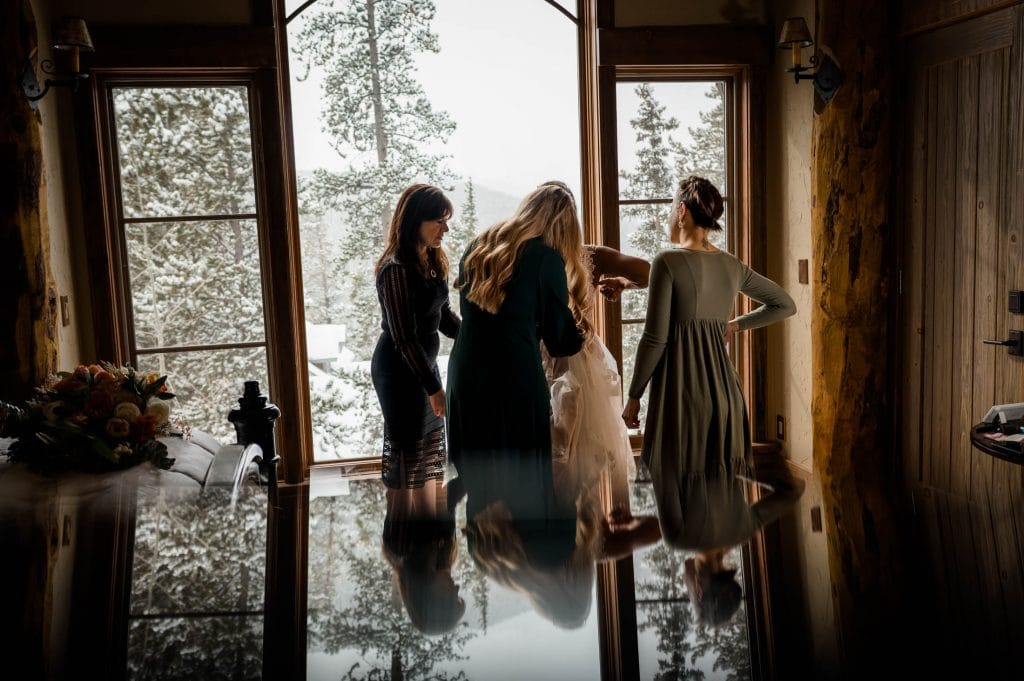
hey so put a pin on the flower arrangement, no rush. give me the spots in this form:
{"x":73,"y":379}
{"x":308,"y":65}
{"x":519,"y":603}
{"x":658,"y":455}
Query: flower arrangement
{"x":95,"y":418}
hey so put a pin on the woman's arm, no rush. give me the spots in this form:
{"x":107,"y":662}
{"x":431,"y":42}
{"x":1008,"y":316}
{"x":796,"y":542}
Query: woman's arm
{"x":776,"y":303}
{"x":615,"y":272}
{"x":656,"y":326}
{"x":450,"y":321}
{"x":397,"y":302}
{"x":557,"y":325}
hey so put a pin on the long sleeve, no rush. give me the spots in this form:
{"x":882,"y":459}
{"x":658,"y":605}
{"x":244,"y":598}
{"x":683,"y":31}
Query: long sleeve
{"x":776,"y":303}
{"x":557,"y":325}
{"x":450,"y":321}
{"x":656,"y":326}
{"x":397,"y":305}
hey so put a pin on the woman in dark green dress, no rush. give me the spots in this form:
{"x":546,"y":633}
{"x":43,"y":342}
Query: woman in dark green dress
{"x":514,"y":284}
{"x":412,"y":288}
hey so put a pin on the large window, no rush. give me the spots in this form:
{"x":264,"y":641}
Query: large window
{"x":478,"y":97}
{"x":186,"y":208}
{"x":666,"y":130}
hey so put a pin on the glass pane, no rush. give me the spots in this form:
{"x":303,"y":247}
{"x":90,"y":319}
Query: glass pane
{"x":184,"y":151}
{"x":196,"y":648}
{"x":355,"y":153}
{"x":667,"y":131}
{"x":643,"y":229}
{"x":195,"y":282}
{"x":208,"y":383}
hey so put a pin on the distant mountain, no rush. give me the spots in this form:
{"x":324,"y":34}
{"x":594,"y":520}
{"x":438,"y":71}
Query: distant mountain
{"x":491,"y":205}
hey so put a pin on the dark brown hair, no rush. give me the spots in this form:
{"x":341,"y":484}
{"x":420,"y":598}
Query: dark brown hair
{"x":702,"y":199}
{"x":419,"y":203}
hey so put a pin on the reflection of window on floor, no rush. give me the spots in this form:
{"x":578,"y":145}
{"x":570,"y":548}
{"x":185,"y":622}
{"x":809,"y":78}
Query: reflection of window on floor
{"x":387,"y":94}
{"x":197,"y":586}
{"x":666,"y":131}
{"x":189,"y":220}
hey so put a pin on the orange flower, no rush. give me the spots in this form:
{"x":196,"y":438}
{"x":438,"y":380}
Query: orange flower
{"x":99,"y":404}
{"x":67,"y":385}
{"x":81,"y":373}
{"x":145,"y":426}
{"x":117,"y":428}
{"x":104,"y":380}
{"x":95,"y":369}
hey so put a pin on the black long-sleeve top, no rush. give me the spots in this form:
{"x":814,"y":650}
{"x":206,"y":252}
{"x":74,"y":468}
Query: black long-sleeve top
{"x":414,"y":309}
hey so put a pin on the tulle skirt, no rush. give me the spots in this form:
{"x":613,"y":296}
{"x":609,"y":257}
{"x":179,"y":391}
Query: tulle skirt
{"x":588,"y":435}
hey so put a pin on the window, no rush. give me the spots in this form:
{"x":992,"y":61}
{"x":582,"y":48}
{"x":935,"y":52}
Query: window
{"x":667,"y":128}
{"x":479,"y":98}
{"x":186,"y":214}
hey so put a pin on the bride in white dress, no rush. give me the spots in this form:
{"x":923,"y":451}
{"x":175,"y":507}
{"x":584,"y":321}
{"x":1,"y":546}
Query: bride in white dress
{"x":587,"y":433}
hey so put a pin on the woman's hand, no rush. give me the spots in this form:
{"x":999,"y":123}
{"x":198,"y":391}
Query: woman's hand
{"x":437,"y":403}
{"x":612,"y":287}
{"x":631,"y":414}
{"x":731,"y":328}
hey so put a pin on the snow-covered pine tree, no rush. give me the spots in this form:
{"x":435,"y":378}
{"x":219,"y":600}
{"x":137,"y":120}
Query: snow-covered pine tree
{"x":188,"y":151}
{"x":705,"y":155}
{"x":378,"y":119}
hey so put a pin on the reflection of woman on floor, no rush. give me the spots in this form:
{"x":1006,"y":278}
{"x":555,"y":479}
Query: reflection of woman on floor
{"x":551,"y":558}
{"x":420,"y":545}
{"x":711,"y":515}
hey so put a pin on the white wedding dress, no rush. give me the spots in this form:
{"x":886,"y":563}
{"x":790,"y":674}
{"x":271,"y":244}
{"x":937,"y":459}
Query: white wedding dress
{"x":588,"y":435}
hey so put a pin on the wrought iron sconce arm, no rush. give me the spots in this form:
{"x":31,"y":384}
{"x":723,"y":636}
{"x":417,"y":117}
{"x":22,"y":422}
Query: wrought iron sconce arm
{"x":30,"y":84}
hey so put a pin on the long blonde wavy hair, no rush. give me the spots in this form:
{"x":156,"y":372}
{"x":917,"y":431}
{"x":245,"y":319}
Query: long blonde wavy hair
{"x":549,"y":211}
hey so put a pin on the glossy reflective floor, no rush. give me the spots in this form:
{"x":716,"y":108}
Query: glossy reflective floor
{"x":134,"y":576}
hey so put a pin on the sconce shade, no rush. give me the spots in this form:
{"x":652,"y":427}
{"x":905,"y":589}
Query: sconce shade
{"x":794,"y":31}
{"x":71,"y":33}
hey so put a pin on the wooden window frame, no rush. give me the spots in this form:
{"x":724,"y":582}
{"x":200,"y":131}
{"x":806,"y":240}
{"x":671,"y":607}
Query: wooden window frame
{"x":741,"y":54}
{"x":183,"y":56}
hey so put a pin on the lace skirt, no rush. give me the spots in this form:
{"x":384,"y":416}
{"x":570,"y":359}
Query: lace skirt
{"x":409,"y":465}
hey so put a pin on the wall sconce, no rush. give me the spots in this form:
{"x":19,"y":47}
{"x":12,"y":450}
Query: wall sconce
{"x":827,"y":77}
{"x":69,"y":35}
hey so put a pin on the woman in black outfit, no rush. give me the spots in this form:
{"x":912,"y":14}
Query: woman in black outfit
{"x":412,"y":286}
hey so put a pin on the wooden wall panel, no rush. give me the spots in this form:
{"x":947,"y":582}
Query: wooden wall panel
{"x":922,"y":15}
{"x":962,"y":302}
{"x":962,"y":249}
{"x":991,"y":99}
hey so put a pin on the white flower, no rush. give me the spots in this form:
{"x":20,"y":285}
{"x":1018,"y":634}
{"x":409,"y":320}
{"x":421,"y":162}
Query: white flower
{"x":122,"y":450}
{"x":127,"y":411}
{"x":160,"y":408}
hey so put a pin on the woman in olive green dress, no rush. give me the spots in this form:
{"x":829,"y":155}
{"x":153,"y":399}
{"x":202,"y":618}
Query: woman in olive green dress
{"x":696,"y":415}
{"x":514,"y":285}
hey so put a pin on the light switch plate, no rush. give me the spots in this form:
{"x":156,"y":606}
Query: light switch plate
{"x":65,"y":311}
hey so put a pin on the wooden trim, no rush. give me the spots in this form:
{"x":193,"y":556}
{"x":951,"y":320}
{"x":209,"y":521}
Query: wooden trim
{"x":112,"y":321}
{"x":179,"y":47}
{"x":609,"y":200}
{"x":590,"y":133}
{"x":189,"y":218}
{"x":750,"y":166}
{"x":200,"y":348}
{"x":990,"y":31}
{"x":949,"y":21}
{"x":604,"y":14}
{"x":286,"y":312}
{"x":263,"y":12}
{"x":711,"y":44}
